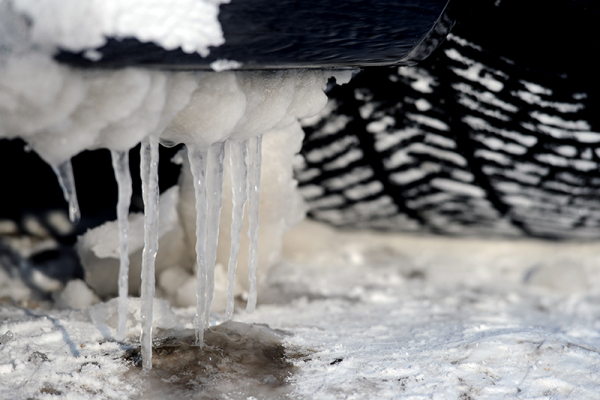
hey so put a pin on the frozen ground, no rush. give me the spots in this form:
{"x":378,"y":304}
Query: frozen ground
{"x":360,"y":316}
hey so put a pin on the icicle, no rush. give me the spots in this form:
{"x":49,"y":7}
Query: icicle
{"x":254,"y":163}
{"x":64,"y":173}
{"x":214,"y":197}
{"x":196,"y":159}
{"x":238,"y":151}
{"x":120,"y":161}
{"x":150,"y":192}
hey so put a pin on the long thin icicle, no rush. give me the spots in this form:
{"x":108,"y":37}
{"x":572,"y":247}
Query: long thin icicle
{"x":238,"y":152}
{"x":120,"y":162}
{"x":196,"y":159}
{"x":64,"y":173}
{"x":150,"y":193}
{"x":214,"y":197}
{"x":254,"y":163}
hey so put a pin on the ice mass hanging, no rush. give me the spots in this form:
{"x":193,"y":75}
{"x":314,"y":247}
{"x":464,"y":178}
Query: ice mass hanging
{"x":221,"y":117}
{"x":71,"y":110}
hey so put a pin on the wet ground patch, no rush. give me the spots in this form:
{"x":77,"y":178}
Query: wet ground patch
{"x":237,"y":361}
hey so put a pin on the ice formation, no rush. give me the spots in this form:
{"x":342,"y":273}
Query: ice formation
{"x":60,"y":111}
{"x":206,"y":111}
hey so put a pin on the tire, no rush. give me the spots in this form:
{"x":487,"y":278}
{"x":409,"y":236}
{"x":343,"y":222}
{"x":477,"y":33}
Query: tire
{"x":467,"y":143}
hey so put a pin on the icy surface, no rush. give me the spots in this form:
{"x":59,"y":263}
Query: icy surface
{"x":363,"y":316}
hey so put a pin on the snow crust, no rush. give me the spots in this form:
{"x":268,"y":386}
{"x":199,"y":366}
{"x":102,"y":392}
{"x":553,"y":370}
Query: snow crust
{"x":75,"y":25}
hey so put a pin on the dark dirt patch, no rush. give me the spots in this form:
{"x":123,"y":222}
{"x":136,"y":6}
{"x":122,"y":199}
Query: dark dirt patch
{"x":237,"y":359}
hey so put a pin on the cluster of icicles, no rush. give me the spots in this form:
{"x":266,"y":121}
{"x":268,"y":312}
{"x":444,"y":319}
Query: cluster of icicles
{"x":207,"y":170}
{"x":62,"y":111}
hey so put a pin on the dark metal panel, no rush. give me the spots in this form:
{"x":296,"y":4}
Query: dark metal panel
{"x":264,"y":34}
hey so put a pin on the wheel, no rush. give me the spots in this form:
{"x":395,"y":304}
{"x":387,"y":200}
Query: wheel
{"x":488,"y":136}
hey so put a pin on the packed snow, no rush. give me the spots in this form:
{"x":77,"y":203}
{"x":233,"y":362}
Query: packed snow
{"x":191,"y":25}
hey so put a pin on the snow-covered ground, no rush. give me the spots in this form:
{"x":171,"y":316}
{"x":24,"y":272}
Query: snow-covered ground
{"x":360,"y":315}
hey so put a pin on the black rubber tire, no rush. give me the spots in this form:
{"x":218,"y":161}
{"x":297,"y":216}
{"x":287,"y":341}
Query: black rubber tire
{"x":467,"y":143}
